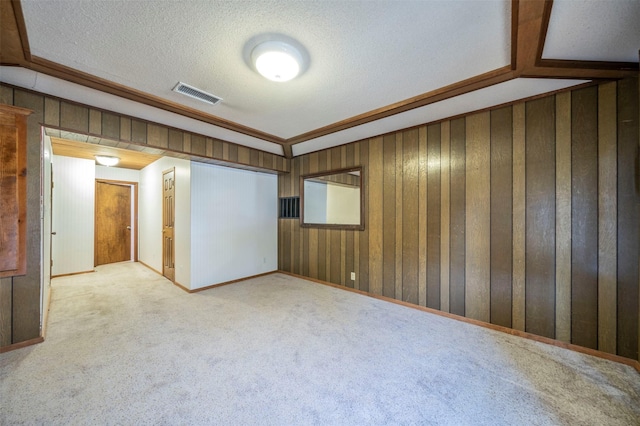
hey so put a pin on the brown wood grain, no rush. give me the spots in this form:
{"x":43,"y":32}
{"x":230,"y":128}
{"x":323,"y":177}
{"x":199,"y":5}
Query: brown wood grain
{"x":433,"y":212}
{"x":389,"y":216}
{"x":422,"y":214}
{"x":357,"y":236}
{"x":501,"y":216}
{"x":563,"y":217}
{"x":51,"y":112}
{"x":478,"y":217}
{"x":540,"y":217}
{"x":607,"y":217}
{"x":95,"y":121}
{"x":398,"y":215}
{"x":110,"y":125}
{"x":375,"y":188}
{"x":445,"y":225}
{"x":519,"y":215}
{"x":112,"y":223}
{"x":410,"y":215}
{"x":584,"y":217}
{"x":6,"y":311}
{"x":628,"y":217}
{"x":322,"y":239}
{"x":74,"y":116}
{"x":458,"y":217}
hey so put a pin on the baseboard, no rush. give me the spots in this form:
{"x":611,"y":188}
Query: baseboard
{"x":588,"y":351}
{"x":73,"y":273}
{"x":21,"y":345}
{"x":196,"y":290}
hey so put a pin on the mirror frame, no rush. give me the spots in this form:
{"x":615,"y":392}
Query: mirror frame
{"x":359,"y":227}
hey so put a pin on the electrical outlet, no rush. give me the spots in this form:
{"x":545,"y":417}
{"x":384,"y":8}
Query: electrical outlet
{"x":353,"y":276}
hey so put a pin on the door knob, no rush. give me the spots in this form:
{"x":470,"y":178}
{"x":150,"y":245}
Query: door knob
{"x":54,"y":233}
{"x":128,"y":227}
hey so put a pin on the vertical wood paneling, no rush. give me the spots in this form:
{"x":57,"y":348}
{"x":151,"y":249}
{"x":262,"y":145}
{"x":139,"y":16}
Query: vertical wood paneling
{"x":51,"y":112}
{"x":478,"y":220}
{"x":445,"y":150}
{"x":399,"y":202}
{"x":584,"y":217}
{"x":607,"y":220}
{"x":6,"y":95}
{"x":175,"y":140}
{"x":628,"y":217}
{"x":95,"y":122}
{"x":563,"y":217}
{"x":423,"y":189}
{"x":458,"y":217}
{"x":125,"y":128}
{"x":375,"y":215}
{"x":139,"y":131}
{"x":389,"y":216}
{"x":433,"y":216}
{"x":519,"y":214}
{"x":110,"y":125}
{"x":295,"y":229}
{"x":501,"y":216}
{"x":363,"y":278}
{"x":540,"y":217}
{"x":410,"y":214}
{"x":313,"y":232}
{"x":322,"y":239}
{"x":6,"y":311}
{"x":356,"y":236}
{"x":528,"y":203}
{"x":73,"y":116}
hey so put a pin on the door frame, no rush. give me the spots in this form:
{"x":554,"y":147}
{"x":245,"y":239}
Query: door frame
{"x":134,"y":215}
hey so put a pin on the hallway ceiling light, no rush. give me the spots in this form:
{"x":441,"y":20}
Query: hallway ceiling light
{"x":107,"y":160}
{"x":277,"y":60}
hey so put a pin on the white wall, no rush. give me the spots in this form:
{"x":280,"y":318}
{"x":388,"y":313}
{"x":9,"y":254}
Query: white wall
{"x":343,"y":204}
{"x":117,"y":173}
{"x":234,"y":224}
{"x":150,"y":217}
{"x":73,"y":215}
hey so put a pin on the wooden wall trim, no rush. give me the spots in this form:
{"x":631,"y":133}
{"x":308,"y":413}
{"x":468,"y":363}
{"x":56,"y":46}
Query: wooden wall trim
{"x":21,"y":345}
{"x":575,"y":348}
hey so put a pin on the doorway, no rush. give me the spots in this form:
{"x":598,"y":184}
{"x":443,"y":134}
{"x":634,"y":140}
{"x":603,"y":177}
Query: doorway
{"x":115,"y":222}
{"x":168,"y":222}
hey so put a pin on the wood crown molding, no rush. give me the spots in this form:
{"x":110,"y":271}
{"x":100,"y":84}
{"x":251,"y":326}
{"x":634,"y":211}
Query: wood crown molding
{"x":529,"y":22}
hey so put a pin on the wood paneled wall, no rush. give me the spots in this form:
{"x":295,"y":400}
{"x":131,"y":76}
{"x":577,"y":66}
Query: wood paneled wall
{"x":112,"y":129}
{"x":524,"y":216}
{"x":20,"y":295}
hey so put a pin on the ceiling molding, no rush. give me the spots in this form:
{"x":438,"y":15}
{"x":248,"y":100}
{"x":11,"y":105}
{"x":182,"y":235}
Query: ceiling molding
{"x":529,"y":21}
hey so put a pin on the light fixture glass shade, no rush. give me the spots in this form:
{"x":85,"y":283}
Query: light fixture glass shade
{"x":107,"y":160}
{"x":277,"y":60}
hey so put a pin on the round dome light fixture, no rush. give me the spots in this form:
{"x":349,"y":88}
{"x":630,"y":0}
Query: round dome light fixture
{"x":277,"y":59}
{"x":107,"y":160}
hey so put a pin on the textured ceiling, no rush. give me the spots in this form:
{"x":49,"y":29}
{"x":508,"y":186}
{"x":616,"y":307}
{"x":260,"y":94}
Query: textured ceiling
{"x":594,"y":31}
{"x":364,"y":55}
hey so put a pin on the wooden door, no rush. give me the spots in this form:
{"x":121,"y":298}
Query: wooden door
{"x":168,"y":221}
{"x":113,"y":223}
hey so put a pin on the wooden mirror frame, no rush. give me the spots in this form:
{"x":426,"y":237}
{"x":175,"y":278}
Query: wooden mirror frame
{"x":359,"y":227}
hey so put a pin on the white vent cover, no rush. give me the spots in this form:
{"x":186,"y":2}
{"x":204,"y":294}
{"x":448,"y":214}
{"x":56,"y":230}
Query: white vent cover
{"x":195,"y":93}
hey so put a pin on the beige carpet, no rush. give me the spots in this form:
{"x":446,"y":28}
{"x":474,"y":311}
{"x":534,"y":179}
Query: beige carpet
{"x":126,"y":347}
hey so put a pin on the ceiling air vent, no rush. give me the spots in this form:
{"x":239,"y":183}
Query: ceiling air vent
{"x":192,"y":92}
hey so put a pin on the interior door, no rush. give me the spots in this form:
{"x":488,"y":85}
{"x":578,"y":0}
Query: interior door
{"x":168,"y":221}
{"x":112,"y":222}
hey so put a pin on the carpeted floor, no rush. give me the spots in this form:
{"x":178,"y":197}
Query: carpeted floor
{"x":125,"y":346}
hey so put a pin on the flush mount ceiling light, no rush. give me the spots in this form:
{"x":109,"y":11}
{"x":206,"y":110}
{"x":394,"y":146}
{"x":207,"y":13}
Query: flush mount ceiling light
{"x":276,"y":57}
{"x":107,"y":160}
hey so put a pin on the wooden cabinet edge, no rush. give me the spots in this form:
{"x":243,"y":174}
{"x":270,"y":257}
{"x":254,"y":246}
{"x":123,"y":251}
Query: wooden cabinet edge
{"x":20,"y":123}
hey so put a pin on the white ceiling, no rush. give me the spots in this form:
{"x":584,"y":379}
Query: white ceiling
{"x":364,"y":55}
{"x":600,"y":31}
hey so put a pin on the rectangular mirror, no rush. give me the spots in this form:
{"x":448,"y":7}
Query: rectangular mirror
{"x":332,"y":199}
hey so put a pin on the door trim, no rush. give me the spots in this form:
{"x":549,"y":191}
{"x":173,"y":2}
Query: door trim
{"x":134,"y":216}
